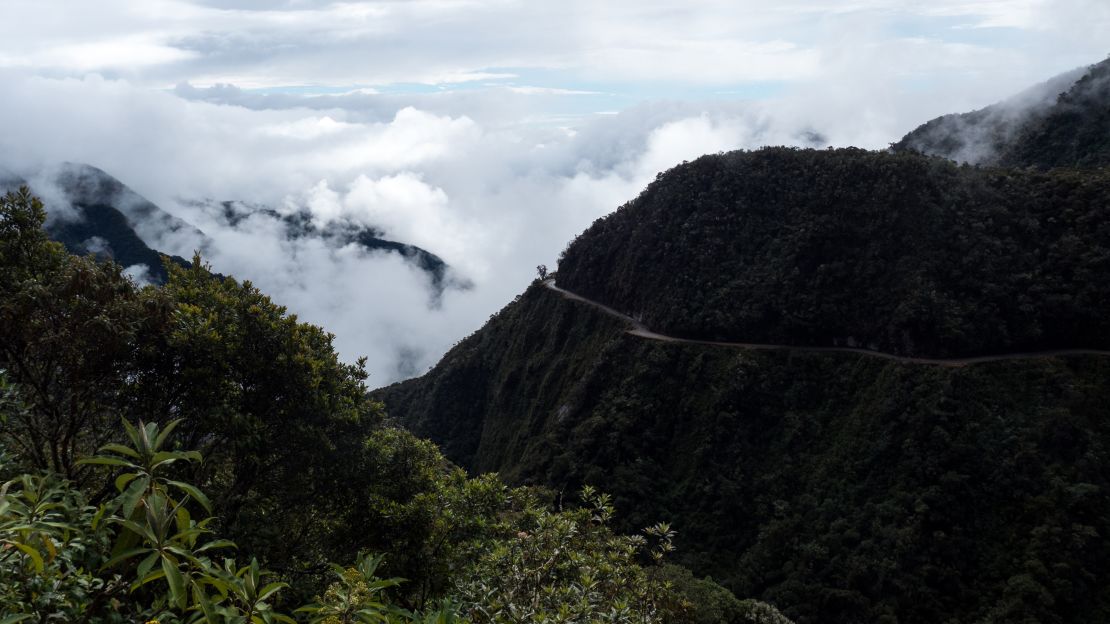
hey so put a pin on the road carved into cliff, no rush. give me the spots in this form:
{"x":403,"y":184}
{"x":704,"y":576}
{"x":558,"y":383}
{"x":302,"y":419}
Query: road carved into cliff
{"x":640,"y":330}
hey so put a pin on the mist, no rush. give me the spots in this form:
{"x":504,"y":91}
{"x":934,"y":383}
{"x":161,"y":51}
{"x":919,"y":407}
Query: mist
{"x":494,"y":170}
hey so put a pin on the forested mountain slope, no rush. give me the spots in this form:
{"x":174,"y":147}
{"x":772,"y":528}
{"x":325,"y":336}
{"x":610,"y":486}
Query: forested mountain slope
{"x":1063,"y":123}
{"x":104,"y":217}
{"x":840,"y":487}
{"x":121,"y":405}
{"x":898,"y":253}
{"x":109,"y":219}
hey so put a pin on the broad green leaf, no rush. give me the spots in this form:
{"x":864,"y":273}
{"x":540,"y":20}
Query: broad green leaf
{"x":134,"y":552}
{"x":194,"y":493}
{"x":36,"y":558}
{"x":200,"y":597}
{"x":124,"y":479}
{"x":176,"y":583}
{"x":147,"y":564}
{"x":133,"y":494}
{"x":149,"y":578}
{"x":161,"y":439}
{"x":97,"y":517}
{"x":119,"y":449}
{"x":271,"y":589}
{"x":132,"y":433}
{"x":106,"y":461}
{"x":217,"y":544}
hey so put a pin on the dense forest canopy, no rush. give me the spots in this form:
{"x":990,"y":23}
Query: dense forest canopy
{"x":894,"y":252}
{"x":838,"y":487}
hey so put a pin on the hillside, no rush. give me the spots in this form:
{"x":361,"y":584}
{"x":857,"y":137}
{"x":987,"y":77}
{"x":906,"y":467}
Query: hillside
{"x":192,"y":452}
{"x":839,"y":487}
{"x":1063,"y":123}
{"x":108,"y":219}
{"x":299,"y":224}
{"x":107,"y":233}
{"x":113,"y":221}
{"x":898,"y":253}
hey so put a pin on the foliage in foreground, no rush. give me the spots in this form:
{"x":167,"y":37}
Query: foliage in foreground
{"x":143,"y":555}
{"x":104,"y":522}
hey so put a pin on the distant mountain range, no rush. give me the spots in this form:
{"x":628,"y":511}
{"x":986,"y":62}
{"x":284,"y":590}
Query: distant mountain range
{"x":839,"y":487}
{"x":300,"y":224}
{"x":112,"y":221}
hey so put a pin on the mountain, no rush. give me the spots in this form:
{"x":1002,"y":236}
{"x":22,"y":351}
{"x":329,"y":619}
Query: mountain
{"x":300,"y":224}
{"x":1064,"y":122}
{"x":111,"y":220}
{"x":899,"y":253}
{"x":93,"y":212}
{"x":852,"y":484}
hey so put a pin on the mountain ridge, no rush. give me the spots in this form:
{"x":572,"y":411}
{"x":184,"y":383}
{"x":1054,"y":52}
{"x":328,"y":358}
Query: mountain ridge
{"x":111,"y":220}
{"x":1064,"y":122}
{"x":836,"y":485}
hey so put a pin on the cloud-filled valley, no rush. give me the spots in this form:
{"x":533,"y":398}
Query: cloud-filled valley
{"x":506,"y":152}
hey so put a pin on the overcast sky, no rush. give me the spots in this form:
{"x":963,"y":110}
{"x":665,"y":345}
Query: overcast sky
{"x":488,"y":131}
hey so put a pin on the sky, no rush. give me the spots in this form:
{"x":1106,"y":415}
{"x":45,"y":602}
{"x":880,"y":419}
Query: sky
{"x":489,"y":132}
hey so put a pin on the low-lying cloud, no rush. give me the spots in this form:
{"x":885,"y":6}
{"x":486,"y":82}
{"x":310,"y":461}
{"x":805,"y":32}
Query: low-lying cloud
{"x":496,"y":177}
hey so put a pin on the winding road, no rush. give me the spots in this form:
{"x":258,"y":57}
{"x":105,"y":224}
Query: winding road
{"x":640,"y":330}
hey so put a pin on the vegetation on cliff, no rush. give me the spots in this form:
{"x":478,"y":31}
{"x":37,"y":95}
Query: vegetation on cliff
{"x":839,"y":487}
{"x":893,"y":252}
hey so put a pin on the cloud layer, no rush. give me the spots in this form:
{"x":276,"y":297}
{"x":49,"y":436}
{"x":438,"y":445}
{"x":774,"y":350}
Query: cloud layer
{"x":489,"y":133}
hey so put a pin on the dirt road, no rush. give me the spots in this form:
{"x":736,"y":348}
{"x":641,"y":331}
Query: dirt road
{"x":639,"y":329}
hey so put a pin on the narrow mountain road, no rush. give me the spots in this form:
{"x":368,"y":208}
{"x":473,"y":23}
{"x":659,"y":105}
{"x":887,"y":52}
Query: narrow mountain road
{"x":639,"y":329}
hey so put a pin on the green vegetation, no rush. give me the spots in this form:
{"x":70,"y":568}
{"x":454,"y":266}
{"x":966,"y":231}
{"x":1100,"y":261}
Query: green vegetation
{"x":262,"y":483}
{"x":836,"y":487}
{"x":894,"y":252}
{"x":124,"y":245}
{"x":257,"y":461}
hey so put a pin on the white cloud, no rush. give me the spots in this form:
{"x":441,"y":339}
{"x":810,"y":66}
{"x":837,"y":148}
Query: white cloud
{"x":496,"y":178}
{"x":118,"y":53}
{"x":160,"y":42}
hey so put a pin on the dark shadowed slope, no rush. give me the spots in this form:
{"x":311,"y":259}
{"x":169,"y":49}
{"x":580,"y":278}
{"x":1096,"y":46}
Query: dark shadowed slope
{"x":840,"y":487}
{"x":898,"y":253}
{"x":638,"y":329}
{"x":107,"y":219}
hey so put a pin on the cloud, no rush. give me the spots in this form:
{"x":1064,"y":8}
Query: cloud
{"x":371,"y":43}
{"x":472,"y":129}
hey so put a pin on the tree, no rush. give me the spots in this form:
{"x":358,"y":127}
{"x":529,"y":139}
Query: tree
{"x":72,"y":334}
